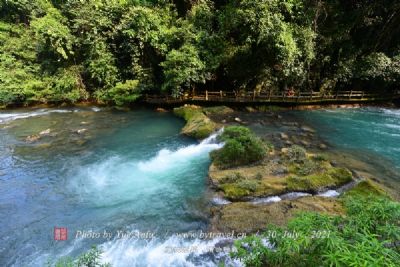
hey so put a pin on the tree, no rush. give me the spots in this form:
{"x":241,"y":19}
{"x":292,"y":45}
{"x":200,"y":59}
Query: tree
{"x":183,"y":69}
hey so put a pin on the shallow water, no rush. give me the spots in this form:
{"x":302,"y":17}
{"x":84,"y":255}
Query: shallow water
{"x":372,"y":129}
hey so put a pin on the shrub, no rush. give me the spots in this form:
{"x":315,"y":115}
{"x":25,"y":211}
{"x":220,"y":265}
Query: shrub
{"x":296,"y":154}
{"x":366,"y":236}
{"x":122,"y":93}
{"x":241,"y":147}
{"x":250,"y":185}
{"x":308,"y":167}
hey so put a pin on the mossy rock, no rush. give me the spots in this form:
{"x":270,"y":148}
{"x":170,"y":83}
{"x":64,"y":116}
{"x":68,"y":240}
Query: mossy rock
{"x":247,"y":217}
{"x":219,"y":110}
{"x":187,"y":112}
{"x":365,"y":188}
{"x":313,"y":183}
{"x":198,"y":125}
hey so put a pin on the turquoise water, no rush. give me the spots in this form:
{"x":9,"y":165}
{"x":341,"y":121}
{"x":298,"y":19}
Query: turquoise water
{"x":373,"y":130}
{"x":125,"y":171}
{"x":97,"y":170}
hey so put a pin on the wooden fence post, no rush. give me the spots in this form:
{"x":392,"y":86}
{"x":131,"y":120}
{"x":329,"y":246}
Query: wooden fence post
{"x":221,"y":94}
{"x":206,"y":95}
{"x":351,"y":93}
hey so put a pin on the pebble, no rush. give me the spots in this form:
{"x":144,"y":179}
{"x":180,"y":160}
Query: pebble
{"x":323,"y":146}
{"x":307,"y":129}
{"x":305,"y":143}
{"x":32,"y":138}
{"x":81,"y":131}
{"x":161,"y":110}
{"x":45,"y":132}
{"x":284,"y":136}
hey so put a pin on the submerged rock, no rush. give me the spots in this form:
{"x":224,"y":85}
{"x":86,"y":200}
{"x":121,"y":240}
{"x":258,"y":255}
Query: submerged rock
{"x":45,"y":132}
{"x":307,"y":129}
{"x":32,"y":138}
{"x":323,"y":146}
{"x":161,"y":110}
{"x":81,"y":131}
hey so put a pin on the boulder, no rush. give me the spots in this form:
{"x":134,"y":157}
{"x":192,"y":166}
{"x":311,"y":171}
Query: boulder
{"x":198,"y":125}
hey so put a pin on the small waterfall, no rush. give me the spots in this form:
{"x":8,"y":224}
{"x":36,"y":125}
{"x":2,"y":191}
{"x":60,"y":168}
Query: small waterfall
{"x":167,"y":159}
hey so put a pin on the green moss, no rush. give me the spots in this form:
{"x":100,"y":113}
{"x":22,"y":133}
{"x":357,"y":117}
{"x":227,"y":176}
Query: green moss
{"x":312,"y":183}
{"x":365,"y":188}
{"x":219,"y":110}
{"x":234,"y":192}
{"x":197,"y":125}
{"x":187,"y":112}
{"x":239,"y":187}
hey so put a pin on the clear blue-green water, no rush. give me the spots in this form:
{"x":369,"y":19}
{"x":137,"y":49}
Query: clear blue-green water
{"x":133,"y":172}
{"x":372,"y":129}
{"x":124,"y":171}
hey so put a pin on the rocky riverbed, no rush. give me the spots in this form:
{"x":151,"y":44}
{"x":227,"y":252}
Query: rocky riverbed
{"x":298,"y":173}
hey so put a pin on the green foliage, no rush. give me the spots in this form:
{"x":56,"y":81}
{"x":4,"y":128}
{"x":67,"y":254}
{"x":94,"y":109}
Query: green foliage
{"x":366,"y":236}
{"x":241,"y":147}
{"x":90,"y":258}
{"x":296,"y":154}
{"x":177,"y":47}
{"x":53,"y":35}
{"x":122,"y":93}
{"x":183,"y":68}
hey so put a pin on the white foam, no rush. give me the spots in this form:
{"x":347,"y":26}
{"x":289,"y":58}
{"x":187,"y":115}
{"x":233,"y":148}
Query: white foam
{"x":220,"y":201}
{"x":329,"y":193}
{"x":173,"y":251}
{"x":393,"y":112}
{"x":295,"y":195}
{"x":5,"y":117}
{"x":167,"y":159}
{"x":272,"y":199}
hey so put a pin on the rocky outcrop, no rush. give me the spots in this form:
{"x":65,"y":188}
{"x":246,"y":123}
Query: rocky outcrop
{"x":198,"y":124}
{"x":246,"y":217}
{"x":276,"y":175}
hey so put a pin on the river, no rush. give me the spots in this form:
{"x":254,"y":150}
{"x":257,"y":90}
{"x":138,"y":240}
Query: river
{"x":129,"y":182}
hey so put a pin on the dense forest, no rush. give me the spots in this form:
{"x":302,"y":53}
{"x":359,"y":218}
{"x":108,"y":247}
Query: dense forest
{"x":115,"y":51}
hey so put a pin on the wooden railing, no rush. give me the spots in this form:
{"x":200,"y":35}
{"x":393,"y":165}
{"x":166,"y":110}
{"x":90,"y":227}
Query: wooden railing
{"x":270,"y":96}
